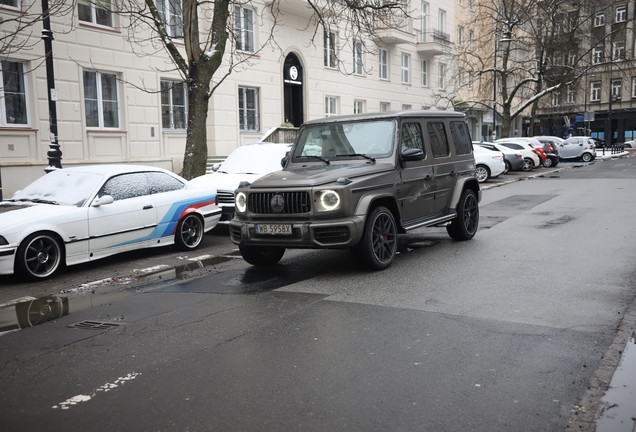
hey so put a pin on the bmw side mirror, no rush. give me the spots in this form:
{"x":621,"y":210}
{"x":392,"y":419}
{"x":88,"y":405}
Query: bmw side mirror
{"x":216,"y":167}
{"x":104,"y":200}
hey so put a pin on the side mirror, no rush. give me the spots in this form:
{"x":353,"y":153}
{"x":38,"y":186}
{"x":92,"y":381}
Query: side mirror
{"x":100,"y":201}
{"x":216,"y":167}
{"x":412,"y":154}
{"x":283,"y":161}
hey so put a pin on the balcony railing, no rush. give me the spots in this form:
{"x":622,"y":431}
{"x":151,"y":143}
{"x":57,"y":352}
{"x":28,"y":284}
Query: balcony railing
{"x":399,"y":31}
{"x":435,"y":42}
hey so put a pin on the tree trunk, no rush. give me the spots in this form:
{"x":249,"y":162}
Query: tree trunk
{"x":196,"y":149}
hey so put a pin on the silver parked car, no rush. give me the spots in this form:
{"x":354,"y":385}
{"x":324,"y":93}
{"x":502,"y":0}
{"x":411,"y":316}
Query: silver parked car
{"x":579,"y":147}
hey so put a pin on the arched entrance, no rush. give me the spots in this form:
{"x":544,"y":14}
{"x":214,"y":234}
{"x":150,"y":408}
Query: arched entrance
{"x":293,"y":97}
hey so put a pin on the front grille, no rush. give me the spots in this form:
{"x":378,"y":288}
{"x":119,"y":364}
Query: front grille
{"x":224,"y":197}
{"x":294,"y":202}
{"x":331,"y":235}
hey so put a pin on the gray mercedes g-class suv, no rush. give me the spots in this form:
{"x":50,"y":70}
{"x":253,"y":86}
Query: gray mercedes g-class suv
{"x":357,"y":181}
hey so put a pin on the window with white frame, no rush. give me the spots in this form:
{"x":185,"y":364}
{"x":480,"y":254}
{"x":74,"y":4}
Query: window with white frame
{"x":424,"y":73}
{"x":470,"y":81}
{"x":460,"y":35}
{"x":424,"y":21}
{"x":471,"y":4}
{"x":460,"y":78}
{"x":101,"y":100}
{"x":172,"y":14}
{"x":595,"y":91}
{"x":441,"y":75}
{"x":331,"y":106}
{"x":599,"y":19}
{"x":498,"y":83}
{"x":441,"y":21}
{"x":358,"y":106}
{"x":383,"y":63}
{"x":13,"y":96}
{"x":571,"y":95}
{"x":330,"y":49}
{"x":470,"y":40}
{"x":357,"y":57}
{"x":244,"y":28}
{"x":617,"y":87}
{"x":406,"y":68}
{"x":406,"y":107}
{"x":621,"y":13}
{"x":95,"y":12}
{"x":634,"y":87}
{"x":597,"y":55}
{"x":619,"y":50}
{"x":174,"y":106}
{"x":556,"y":98}
{"x":12,"y":3}
{"x":571,"y":59}
{"x":385,"y":106}
{"x":249,"y":109}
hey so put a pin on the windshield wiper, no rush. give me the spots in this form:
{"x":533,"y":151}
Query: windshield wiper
{"x":325,"y":160}
{"x":372,"y":159}
{"x":38,"y":201}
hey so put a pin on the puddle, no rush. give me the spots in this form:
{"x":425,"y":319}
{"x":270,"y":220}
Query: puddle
{"x":619,"y":413}
{"x":31,"y":312}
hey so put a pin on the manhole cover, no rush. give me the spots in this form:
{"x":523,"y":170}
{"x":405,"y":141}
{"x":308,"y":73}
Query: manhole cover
{"x":95,"y":325}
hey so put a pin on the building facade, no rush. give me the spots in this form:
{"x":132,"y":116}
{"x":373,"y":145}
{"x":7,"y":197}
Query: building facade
{"x":121,"y":103}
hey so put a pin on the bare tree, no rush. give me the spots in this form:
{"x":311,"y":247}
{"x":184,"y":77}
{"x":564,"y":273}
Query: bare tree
{"x":210,"y":44}
{"x":539,"y":48}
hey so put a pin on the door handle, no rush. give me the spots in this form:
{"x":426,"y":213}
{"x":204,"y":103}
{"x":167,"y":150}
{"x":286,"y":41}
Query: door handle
{"x":148,"y":206}
{"x":428,"y":178}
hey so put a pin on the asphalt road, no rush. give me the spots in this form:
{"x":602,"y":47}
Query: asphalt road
{"x":516,"y":330}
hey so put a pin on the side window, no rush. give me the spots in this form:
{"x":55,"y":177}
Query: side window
{"x":461,"y":138}
{"x":125,"y":186}
{"x":159,"y":182}
{"x":411,"y":137}
{"x":439,"y":139}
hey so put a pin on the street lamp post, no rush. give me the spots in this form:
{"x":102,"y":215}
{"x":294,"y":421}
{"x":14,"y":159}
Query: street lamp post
{"x":54,"y":154}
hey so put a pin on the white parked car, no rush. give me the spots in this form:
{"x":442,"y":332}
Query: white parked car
{"x":488,"y":164}
{"x":526,"y":150}
{"x":74,"y":215}
{"x":629,"y":144}
{"x":245,"y":164}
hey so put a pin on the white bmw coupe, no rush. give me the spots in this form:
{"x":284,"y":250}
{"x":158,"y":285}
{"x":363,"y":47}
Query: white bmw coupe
{"x":74,"y":215}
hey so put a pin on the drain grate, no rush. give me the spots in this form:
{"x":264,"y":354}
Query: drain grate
{"x":95,"y":325}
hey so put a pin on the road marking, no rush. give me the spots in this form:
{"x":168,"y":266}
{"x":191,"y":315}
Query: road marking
{"x":105,"y":388}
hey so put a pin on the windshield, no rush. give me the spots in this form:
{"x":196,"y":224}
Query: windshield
{"x":346,"y":140}
{"x":70,"y":188}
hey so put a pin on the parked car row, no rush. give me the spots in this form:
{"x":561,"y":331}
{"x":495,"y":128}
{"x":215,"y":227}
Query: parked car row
{"x":527,"y":153}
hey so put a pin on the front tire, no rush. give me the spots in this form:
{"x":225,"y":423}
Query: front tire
{"x":189,"y":233}
{"x":378,"y":246}
{"x":262,"y":255}
{"x":464,"y":226}
{"x":482,"y":173}
{"x":39,"y":256}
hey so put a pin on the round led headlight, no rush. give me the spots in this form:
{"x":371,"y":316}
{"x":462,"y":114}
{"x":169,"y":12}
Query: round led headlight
{"x":241,"y":202}
{"x":329,"y":200}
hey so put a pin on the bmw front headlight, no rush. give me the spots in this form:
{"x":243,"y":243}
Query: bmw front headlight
{"x":240,"y":202}
{"x":329,"y":200}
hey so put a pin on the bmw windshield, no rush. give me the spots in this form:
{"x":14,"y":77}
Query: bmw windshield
{"x":70,"y":188}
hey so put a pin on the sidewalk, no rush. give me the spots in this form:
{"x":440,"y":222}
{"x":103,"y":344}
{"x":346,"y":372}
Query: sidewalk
{"x":609,"y":155}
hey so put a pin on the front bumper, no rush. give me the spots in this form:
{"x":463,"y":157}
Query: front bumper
{"x":7,"y":259}
{"x":328,"y":234}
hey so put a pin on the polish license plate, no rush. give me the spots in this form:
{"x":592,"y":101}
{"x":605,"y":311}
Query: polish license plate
{"x":273,"y":229}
